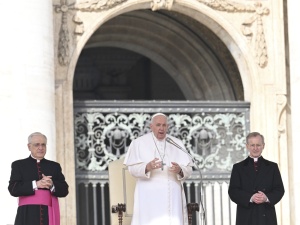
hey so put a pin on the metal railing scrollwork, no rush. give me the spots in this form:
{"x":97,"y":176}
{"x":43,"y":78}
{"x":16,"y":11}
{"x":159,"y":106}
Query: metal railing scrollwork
{"x":212,"y":132}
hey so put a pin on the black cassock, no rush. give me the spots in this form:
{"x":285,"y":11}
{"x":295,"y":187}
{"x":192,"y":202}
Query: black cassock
{"x":244,"y":182}
{"x":23,"y":172}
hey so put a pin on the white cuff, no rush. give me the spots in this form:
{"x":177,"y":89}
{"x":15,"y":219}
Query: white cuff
{"x":34,"y":186}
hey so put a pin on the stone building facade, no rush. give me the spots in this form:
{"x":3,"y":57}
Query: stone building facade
{"x":258,"y":46}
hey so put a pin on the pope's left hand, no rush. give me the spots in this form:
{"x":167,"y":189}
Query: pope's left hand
{"x":175,"y":168}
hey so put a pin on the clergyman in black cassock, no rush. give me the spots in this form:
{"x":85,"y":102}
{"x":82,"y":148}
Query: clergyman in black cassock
{"x":36,"y":173}
{"x":255,"y":190}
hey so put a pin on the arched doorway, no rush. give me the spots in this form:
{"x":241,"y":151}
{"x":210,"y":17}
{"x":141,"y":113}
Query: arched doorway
{"x":145,"y":55}
{"x":156,"y":55}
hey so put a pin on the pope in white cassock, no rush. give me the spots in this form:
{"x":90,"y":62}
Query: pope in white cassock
{"x":160,"y":169}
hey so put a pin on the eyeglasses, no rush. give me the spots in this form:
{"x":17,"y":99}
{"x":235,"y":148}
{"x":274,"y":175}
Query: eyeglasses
{"x":37,"y":145}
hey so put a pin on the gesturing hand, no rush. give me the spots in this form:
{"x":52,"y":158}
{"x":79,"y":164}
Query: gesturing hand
{"x":153,"y":164}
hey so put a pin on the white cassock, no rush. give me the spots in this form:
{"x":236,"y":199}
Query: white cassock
{"x":159,"y":197}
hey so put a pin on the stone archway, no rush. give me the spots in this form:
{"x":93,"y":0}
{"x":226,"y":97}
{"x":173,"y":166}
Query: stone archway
{"x":192,"y":55}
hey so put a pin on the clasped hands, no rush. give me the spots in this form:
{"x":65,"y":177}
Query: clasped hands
{"x":45,"y":182}
{"x":259,"y":197}
{"x":156,"y":164}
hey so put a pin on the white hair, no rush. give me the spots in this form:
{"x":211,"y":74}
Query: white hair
{"x":36,"y":134}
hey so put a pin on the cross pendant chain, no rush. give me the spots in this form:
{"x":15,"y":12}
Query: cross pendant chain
{"x":161,"y":156}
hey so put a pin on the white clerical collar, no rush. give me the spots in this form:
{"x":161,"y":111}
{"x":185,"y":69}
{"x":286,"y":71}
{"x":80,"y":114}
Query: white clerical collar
{"x":35,"y":158}
{"x":255,"y":159}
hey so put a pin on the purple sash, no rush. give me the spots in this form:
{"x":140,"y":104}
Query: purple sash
{"x":44,"y":197}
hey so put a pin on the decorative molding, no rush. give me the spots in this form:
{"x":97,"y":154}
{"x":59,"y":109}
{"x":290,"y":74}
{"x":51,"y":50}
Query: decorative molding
{"x":228,"y":6}
{"x":281,"y":101}
{"x":161,"y":4}
{"x":64,"y":36}
{"x":97,"y":5}
{"x":261,"y":53}
{"x":258,"y":11}
{"x":79,"y":30}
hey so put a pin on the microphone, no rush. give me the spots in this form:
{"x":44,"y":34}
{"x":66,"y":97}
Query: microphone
{"x":173,"y":143}
{"x":202,"y":215}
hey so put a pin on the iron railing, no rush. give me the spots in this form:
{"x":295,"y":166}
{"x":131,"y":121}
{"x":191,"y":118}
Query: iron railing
{"x":212,"y":132}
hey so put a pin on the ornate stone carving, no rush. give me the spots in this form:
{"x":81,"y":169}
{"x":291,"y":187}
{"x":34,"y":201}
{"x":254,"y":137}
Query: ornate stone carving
{"x":260,"y":41}
{"x":97,"y":5}
{"x":227,"y":5}
{"x":281,"y":105}
{"x":161,"y":4}
{"x":258,"y":12}
{"x":64,"y":36}
{"x":79,"y":25}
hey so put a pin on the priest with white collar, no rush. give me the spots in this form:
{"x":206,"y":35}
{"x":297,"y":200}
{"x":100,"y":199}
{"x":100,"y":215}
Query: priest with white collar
{"x":255,"y":185}
{"x":38,"y":183}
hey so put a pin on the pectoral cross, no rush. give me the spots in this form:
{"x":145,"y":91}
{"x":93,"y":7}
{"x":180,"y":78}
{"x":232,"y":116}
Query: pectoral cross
{"x":162,"y":165}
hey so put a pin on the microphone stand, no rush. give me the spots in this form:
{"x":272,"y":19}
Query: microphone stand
{"x":202,"y":210}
